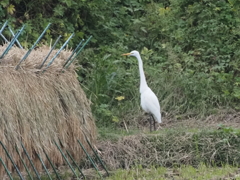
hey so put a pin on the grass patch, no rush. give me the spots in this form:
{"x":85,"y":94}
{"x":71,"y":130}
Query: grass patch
{"x":114,"y":133}
{"x":202,"y":172}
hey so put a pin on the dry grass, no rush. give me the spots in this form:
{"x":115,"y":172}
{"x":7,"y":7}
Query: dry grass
{"x":133,"y":150}
{"x":187,"y":142}
{"x":38,"y":108}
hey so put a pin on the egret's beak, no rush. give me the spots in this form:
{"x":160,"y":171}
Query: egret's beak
{"x":127,"y":54}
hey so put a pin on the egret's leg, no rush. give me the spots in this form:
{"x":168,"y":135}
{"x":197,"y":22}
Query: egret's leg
{"x":150,"y":122}
{"x":154,"y":124}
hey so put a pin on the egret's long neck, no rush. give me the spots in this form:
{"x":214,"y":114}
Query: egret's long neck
{"x":143,"y":82}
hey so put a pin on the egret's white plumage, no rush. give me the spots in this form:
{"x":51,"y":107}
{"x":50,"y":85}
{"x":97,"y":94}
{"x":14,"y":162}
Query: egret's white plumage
{"x":150,"y":104}
{"x":149,"y":101}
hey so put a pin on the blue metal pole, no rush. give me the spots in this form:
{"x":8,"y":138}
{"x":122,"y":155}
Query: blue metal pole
{"x":12,"y":42}
{"x":50,"y":51}
{"x":16,"y":40}
{"x":73,"y":52}
{"x":4,"y":38}
{"x":59,"y":51}
{"x":3,"y":27}
{"x":30,"y":50}
{"x":70,"y":62}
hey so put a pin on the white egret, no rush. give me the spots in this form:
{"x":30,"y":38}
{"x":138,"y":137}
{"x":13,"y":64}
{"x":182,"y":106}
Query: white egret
{"x":149,"y":101}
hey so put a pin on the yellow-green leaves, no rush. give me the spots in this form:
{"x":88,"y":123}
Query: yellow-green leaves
{"x":163,"y":11}
{"x":11,"y":9}
{"x":119,"y":98}
{"x":115,"y":119}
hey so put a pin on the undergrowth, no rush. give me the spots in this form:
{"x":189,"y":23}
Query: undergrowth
{"x":112,"y":84}
{"x":171,"y":148}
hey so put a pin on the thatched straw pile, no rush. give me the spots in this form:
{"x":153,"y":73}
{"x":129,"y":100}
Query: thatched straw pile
{"x":37,"y":108}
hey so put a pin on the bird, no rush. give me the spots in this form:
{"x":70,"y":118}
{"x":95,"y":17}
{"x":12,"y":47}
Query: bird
{"x":149,"y":101}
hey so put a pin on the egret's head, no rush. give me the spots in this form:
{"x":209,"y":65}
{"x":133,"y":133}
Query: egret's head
{"x":132,"y":53}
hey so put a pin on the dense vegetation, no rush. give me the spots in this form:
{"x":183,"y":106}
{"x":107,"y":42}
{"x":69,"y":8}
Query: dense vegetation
{"x":190,"y":51}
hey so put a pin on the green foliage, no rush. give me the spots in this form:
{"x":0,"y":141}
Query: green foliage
{"x":66,"y":16}
{"x":207,"y":33}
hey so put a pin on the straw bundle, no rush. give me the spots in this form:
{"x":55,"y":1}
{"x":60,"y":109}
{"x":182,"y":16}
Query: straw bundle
{"x":40,"y":108}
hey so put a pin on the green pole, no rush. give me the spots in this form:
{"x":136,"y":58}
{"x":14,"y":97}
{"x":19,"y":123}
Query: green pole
{"x":24,"y":164}
{"x":54,"y":169}
{"x":66,"y":160}
{"x":4,"y":165}
{"x":76,"y":164}
{"x":15,"y":166}
{"x":35,"y":170}
{"x":104,"y":167}
{"x":39,"y":157}
{"x":89,"y":157}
